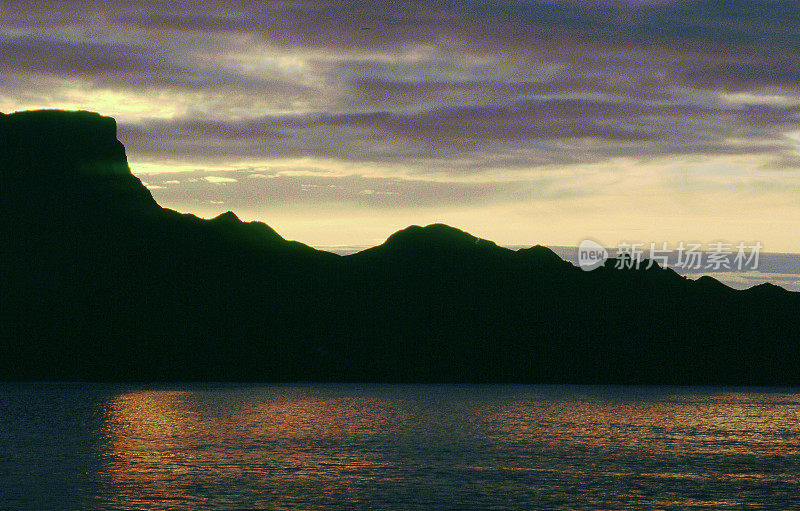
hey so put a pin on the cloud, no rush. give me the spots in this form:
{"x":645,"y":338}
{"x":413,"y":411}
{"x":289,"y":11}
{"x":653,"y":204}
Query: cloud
{"x":421,"y":83}
{"x":43,"y":68}
{"x":220,"y":180}
{"x":521,"y":133}
{"x":39,"y":54}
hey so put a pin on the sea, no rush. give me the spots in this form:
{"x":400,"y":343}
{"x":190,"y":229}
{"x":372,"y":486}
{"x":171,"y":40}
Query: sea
{"x":308,"y":446}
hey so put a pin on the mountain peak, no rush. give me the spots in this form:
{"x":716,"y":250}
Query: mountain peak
{"x":766,"y":289}
{"x":541,"y":254}
{"x":433,"y":235}
{"x":229,"y":217}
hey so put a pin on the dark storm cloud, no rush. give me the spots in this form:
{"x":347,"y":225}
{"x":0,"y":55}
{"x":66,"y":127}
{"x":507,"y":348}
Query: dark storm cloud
{"x":685,"y":24}
{"x":737,"y":76}
{"x":40,"y":54}
{"x":307,"y":23}
{"x":732,"y":28}
{"x":131,"y":66}
{"x":530,"y":120}
{"x":518,"y":134}
{"x":400,"y":94}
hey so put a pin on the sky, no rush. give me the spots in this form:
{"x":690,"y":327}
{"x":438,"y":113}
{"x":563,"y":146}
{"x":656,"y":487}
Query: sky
{"x":338,"y":123}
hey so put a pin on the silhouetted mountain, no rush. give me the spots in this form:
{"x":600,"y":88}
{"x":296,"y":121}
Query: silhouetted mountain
{"x":99,"y":282}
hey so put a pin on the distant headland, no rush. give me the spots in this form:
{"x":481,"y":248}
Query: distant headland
{"x":101,"y":283}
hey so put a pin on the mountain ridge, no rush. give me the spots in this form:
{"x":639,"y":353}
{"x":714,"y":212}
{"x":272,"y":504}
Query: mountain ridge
{"x":101,"y":283}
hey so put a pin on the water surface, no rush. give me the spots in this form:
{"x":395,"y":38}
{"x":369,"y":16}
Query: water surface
{"x":313,"y":447}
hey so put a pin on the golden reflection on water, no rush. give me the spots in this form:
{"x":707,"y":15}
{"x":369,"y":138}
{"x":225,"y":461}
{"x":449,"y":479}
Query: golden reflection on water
{"x":148,"y":414}
{"x":165,"y":446}
{"x":146,"y":431}
{"x":286,"y":447}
